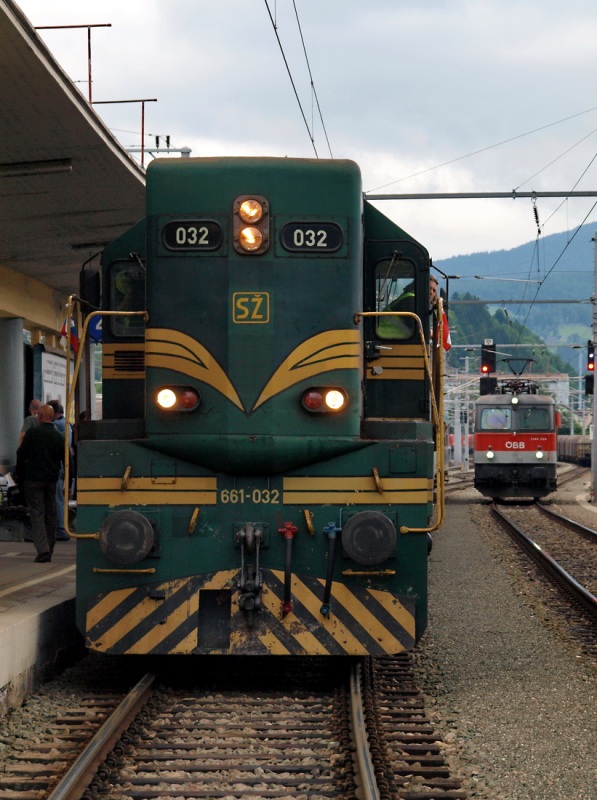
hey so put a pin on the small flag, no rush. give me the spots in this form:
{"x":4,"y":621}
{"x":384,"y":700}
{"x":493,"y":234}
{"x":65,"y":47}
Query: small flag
{"x":446,"y":338}
{"x":74,"y":339}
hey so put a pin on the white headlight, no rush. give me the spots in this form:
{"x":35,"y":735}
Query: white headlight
{"x":490,"y":454}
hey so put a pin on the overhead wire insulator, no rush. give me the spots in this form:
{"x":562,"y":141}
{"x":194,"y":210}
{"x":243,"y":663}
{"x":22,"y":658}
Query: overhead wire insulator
{"x":536,"y":214}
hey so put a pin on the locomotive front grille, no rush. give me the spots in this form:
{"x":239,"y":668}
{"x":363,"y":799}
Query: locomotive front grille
{"x":129,"y":361}
{"x":123,"y":361}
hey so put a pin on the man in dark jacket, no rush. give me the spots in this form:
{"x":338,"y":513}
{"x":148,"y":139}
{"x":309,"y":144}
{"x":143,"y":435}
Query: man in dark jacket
{"x":39,"y":459}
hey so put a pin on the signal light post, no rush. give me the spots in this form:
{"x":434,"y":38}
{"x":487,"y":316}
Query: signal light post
{"x":487,"y":384}
{"x":590,"y":377}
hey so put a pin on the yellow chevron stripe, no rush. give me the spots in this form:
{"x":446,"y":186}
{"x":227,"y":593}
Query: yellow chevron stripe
{"x":357,"y":498}
{"x":106,"y":605}
{"x":358,"y":484}
{"x":173,"y":350}
{"x":330,"y":350}
{"x":395,"y":608}
{"x":273,"y":645}
{"x":400,"y":362}
{"x":113,"y":375}
{"x":242,"y":638}
{"x":205,"y":483}
{"x":110,"y":349}
{"x":222,"y":580}
{"x":127,"y":498}
{"x":147,"y":491}
{"x":393,"y":350}
{"x":334,"y":627}
{"x":397,"y":375}
{"x":344,"y":597}
{"x":158,"y":633}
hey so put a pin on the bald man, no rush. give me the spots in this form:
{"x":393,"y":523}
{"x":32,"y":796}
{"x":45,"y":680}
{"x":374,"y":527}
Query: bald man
{"x":39,"y":459}
{"x":30,"y":421}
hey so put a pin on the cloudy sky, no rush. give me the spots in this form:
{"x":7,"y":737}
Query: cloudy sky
{"x":426,"y":95}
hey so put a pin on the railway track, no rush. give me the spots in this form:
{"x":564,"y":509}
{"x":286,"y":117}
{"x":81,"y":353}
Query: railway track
{"x":573,"y":474}
{"x":368,"y":737}
{"x":570,"y":561}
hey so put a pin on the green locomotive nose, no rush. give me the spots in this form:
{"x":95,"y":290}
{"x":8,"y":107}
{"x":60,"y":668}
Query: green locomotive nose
{"x":262,"y":480}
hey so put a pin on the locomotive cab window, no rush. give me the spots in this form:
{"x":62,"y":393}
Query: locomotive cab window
{"x":127,"y":293}
{"x":395,"y":291}
{"x":533,"y":419}
{"x":496,"y":419}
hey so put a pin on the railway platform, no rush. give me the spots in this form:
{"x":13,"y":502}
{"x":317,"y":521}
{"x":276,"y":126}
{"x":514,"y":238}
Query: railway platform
{"x":37,"y":617}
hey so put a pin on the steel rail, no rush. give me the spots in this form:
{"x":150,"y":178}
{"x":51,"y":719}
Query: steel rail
{"x":369,"y":790}
{"x":582,"y":530}
{"x":81,"y":773}
{"x":550,"y":566}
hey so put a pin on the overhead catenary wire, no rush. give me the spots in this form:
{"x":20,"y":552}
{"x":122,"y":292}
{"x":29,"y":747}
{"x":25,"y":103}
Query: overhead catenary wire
{"x":553,"y":266}
{"x":482,"y":149}
{"x":314,"y":93}
{"x":275,"y":27}
{"x":539,"y":230}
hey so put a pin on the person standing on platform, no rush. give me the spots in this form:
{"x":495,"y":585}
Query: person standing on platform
{"x":39,"y":459}
{"x":60,"y":423}
{"x":30,"y":421}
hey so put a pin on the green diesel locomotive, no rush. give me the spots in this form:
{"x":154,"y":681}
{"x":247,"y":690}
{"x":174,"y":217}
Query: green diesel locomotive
{"x":263,"y":478}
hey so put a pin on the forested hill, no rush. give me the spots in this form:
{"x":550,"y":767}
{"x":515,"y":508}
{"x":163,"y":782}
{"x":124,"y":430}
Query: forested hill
{"x":565,"y":265}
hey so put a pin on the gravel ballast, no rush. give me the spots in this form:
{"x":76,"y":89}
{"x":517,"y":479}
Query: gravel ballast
{"x":511,"y":692}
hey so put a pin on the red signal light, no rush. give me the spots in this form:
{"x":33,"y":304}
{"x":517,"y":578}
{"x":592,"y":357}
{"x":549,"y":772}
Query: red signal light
{"x":324,"y":399}
{"x":313,"y":400}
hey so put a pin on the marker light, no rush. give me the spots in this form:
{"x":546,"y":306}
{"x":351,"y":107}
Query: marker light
{"x":490,"y":454}
{"x":177,"y":398}
{"x":322,"y":399}
{"x":250,"y":210}
{"x":250,"y":239}
{"x":539,"y":453}
{"x":313,"y":400}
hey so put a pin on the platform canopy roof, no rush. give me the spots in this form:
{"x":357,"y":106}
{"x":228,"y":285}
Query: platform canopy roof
{"x":67,"y":187}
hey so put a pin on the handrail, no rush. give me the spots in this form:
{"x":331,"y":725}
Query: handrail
{"x":435,"y":378}
{"x":71,"y":386}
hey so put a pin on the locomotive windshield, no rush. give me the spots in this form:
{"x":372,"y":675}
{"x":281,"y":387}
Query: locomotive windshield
{"x":127,"y":293}
{"x":496,"y":419}
{"x":522,"y":418}
{"x":533,"y":419}
{"x":395,"y":291}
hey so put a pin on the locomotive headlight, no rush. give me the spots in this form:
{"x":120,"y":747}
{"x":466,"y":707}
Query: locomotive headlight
{"x":515,"y":401}
{"x":250,"y":224}
{"x":539,"y":454}
{"x":324,"y":399}
{"x":166,"y":398}
{"x":250,"y":239}
{"x":177,"y":398}
{"x":334,"y":400}
{"x":490,"y":454}
{"x":250,"y":210}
